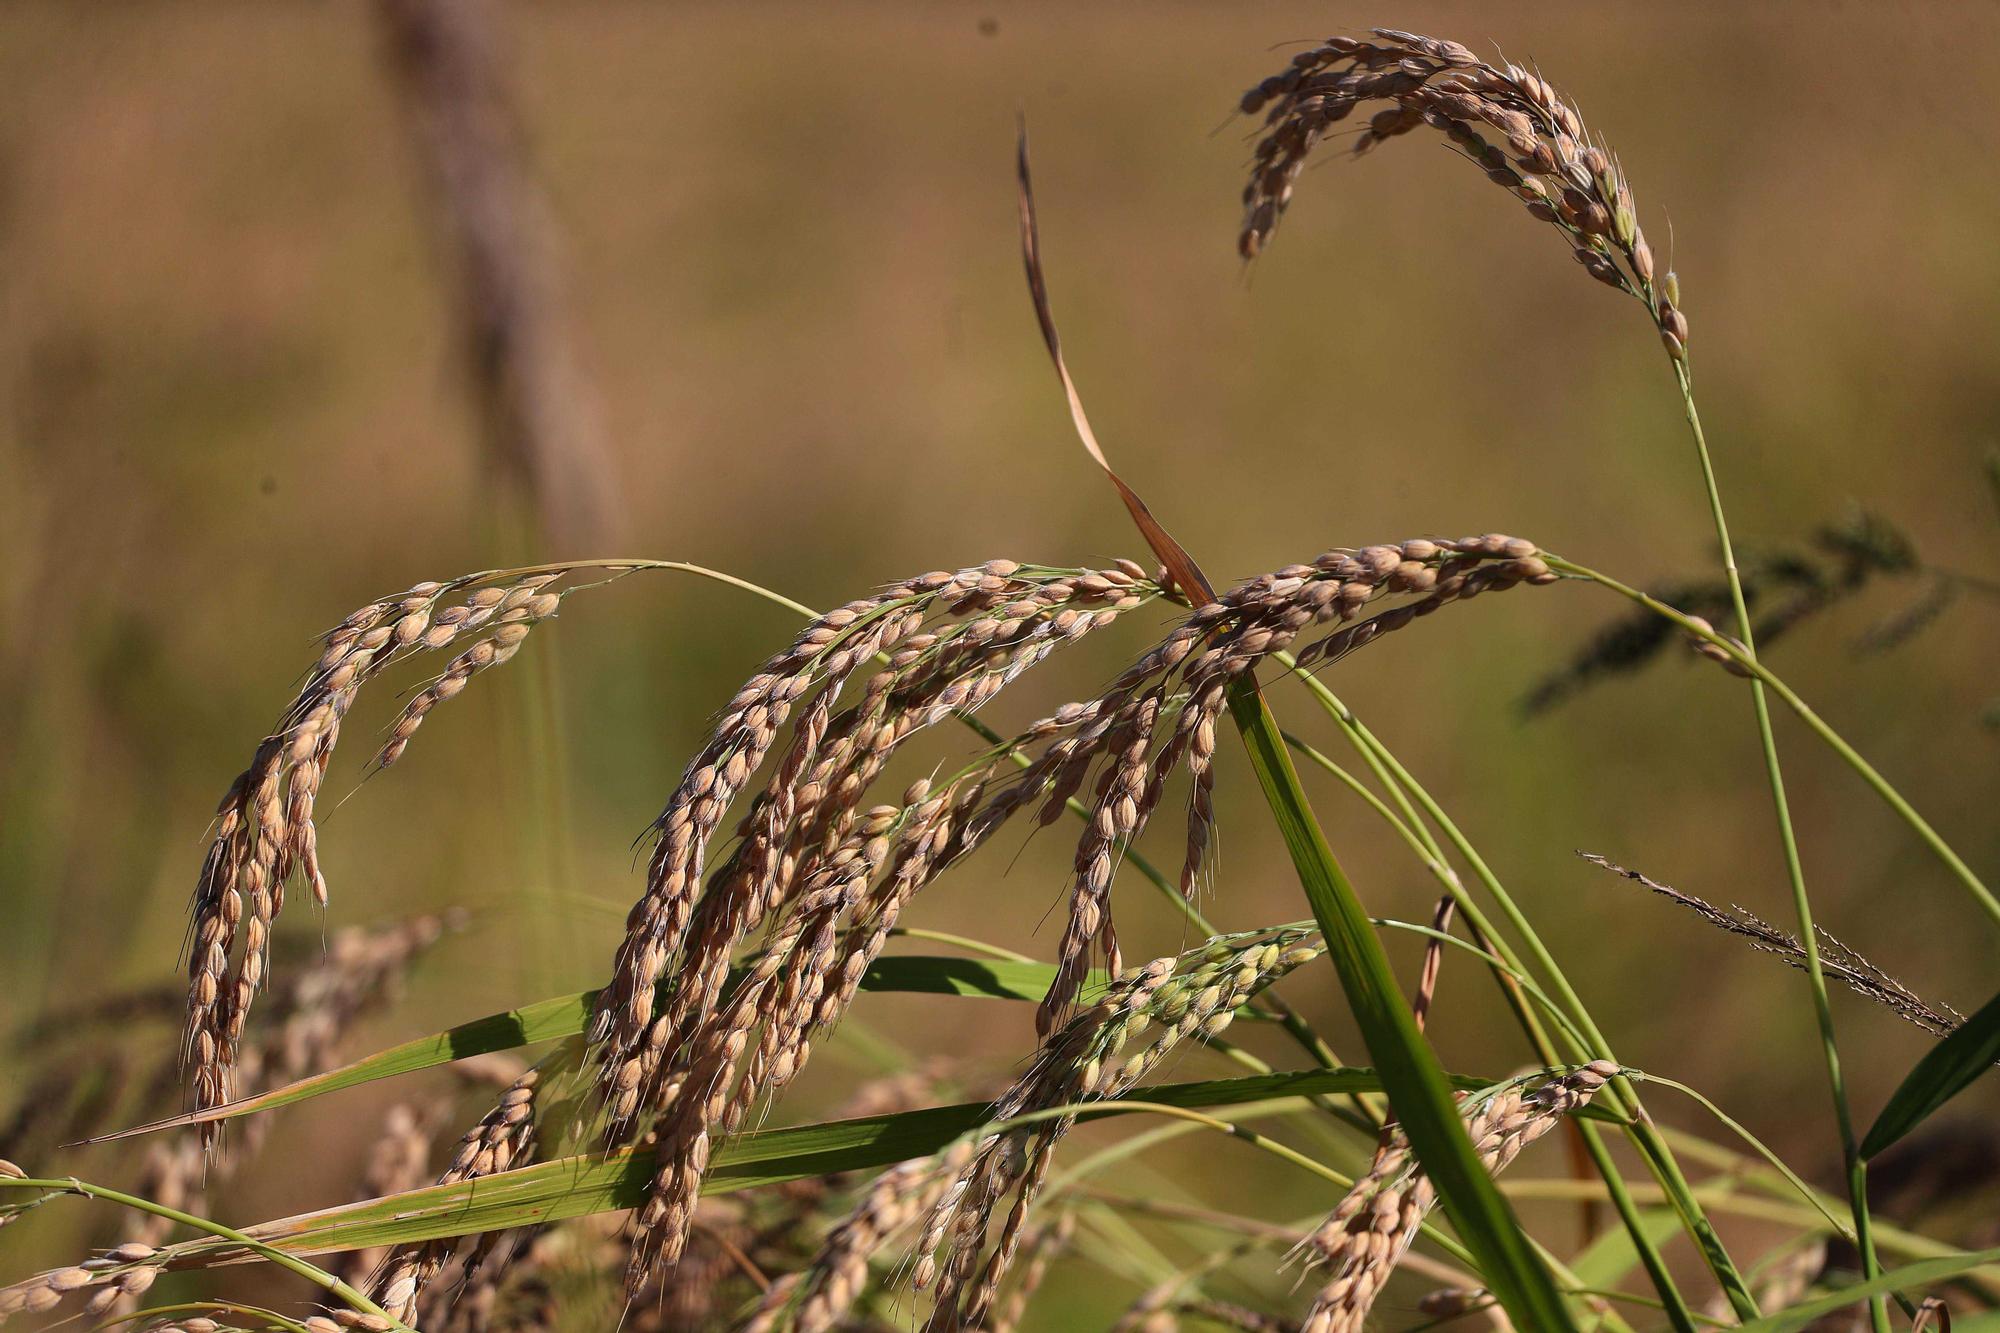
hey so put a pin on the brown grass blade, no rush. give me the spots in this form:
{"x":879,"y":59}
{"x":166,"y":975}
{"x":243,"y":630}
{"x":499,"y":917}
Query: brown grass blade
{"x":1180,"y":565}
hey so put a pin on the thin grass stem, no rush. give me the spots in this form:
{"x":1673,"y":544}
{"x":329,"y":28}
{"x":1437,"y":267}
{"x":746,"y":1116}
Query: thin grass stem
{"x":1658,"y":1156}
{"x":1795,"y":875}
{"x":317,"y":1276}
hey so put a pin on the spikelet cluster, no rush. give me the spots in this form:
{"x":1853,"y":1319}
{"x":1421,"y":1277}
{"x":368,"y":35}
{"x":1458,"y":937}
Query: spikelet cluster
{"x":108,"y":1278}
{"x":503,"y":1138}
{"x":1374,"y":1224}
{"x":1544,"y":155}
{"x":823,"y":873}
{"x":1160,"y":715}
{"x":265,"y":836}
{"x":358,"y":971}
{"x":1101,"y":1052}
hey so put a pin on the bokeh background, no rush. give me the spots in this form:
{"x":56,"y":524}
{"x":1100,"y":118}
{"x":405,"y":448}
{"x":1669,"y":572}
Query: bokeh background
{"x":235,"y":406}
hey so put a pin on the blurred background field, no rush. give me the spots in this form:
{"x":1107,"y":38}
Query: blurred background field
{"x":234,"y":409}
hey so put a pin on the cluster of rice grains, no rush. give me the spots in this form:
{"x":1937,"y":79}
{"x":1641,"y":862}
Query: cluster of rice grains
{"x":751,"y":937}
{"x":1167,"y":1001}
{"x":947,"y":1202}
{"x":1161,"y":713}
{"x":264,"y":832}
{"x":359,"y":971}
{"x":826,"y":876}
{"x":1549,"y":160}
{"x":823,"y":875}
{"x":504,"y":1137}
{"x":1368,"y":1232}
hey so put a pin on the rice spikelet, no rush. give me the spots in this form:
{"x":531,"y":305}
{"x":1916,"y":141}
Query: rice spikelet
{"x":1545,"y":156}
{"x":265,"y":836}
{"x":1368,"y":1232}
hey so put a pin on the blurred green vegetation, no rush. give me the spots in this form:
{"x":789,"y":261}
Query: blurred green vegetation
{"x":232,"y":411}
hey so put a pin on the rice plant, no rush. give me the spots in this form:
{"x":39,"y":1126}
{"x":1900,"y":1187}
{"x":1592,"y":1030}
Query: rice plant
{"x":635,"y":1168}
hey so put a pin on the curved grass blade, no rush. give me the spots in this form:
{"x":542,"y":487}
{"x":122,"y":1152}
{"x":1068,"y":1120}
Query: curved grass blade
{"x":1946,"y":1070}
{"x":598,"y":1182}
{"x":1920,"y":1274}
{"x":568,"y":1015}
{"x":1416,"y":1084}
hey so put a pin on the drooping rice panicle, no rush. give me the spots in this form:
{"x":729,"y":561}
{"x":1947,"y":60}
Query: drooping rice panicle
{"x":265,"y":835}
{"x":1366,"y":1235}
{"x":1189,"y":672}
{"x":1168,"y":1001}
{"x":1550,"y":161}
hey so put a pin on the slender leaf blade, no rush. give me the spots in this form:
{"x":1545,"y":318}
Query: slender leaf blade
{"x":1946,"y":1070}
{"x":1909,"y":1277}
{"x":597,"y":1182}
{"x":1416,"y":1084}
{"x":568,"y":1015}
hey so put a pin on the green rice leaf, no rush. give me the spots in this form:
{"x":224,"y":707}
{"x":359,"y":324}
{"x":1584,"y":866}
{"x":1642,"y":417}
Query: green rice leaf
{"x":1417,"y":1086}
{"x":568,"y":1015}
{"x":1946,"y":1070}
{"x":1909,"y":1277}
{"x":598,"y":1182}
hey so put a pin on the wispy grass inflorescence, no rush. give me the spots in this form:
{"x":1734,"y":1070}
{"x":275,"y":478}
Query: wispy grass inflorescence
{"x":1837,"y":960}
{"x":265,"y":836}
{"x":1547,"y":158}
{"x":1785,"y":586}
{"x":1366,"y":1235}
{"x":1166,"y":1002}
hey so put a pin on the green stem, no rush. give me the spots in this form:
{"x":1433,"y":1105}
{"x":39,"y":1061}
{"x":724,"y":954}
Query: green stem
{"x":1512,"y":980}
{"x":1658,"y":1155}
{"x":1857,"y":1170}
{"x":1417,"y":1088}
{"x":965,"y":942}
{"x":318,"y":1277}
{"x":1776,"y":1162}
{"x":206,"y":1307}
{"x":1740,"y":1169}
{"x":1881,"y":786}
